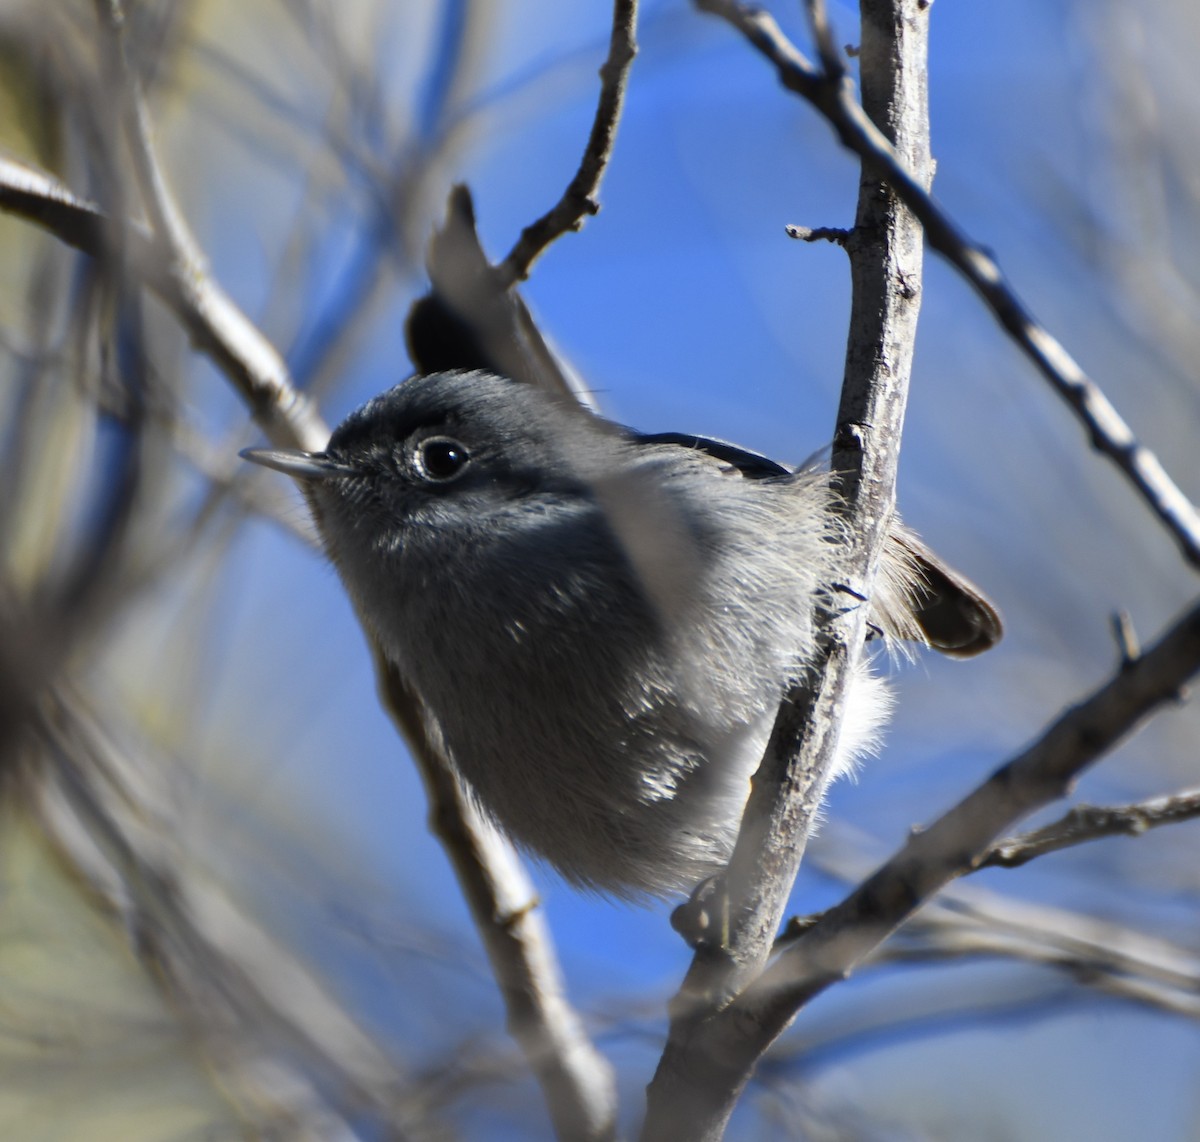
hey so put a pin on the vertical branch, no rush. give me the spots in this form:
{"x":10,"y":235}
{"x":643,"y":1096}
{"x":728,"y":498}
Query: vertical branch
{"x":885,"y":251}
{"x":713,"y":1046}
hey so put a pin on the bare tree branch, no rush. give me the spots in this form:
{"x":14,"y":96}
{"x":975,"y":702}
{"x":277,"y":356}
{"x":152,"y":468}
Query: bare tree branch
{"x":579,"y":199}
{"x":470,"y":320}
{"x":725,"y":1043}
{"x":218,"y":328}
{"x":956,"y":843}
{"x":966,"y":918}
{"x":1101,"y":954}
{"x":1108,"y":433}
{"x":167,"y":222}
{"x":692,"y":1096}
{"x":1092,"y":822}
{"x":941,"y":1004}
{"x":576,"y":1079}
{"x":283,"y":414}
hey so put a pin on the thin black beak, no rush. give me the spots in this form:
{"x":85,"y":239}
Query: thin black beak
{"x":293,"y":462}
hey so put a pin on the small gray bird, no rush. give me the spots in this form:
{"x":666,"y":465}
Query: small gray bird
{"x":600,"y":625}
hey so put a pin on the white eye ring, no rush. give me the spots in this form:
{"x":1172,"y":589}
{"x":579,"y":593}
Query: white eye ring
{"x":441,"y":459}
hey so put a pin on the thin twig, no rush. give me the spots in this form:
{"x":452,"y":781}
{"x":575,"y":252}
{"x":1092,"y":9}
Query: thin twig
{"x":969,"y":919}
{"x":81,"y":224}
{"x":579,"y":199}
{"x":395,"y":187}
{"x":1107,"y":431}
{"x":831,"y":59}
{"x":1125,"y":636}
{"x":1090,"y":823}
{"x":1092,"y":958}
{"x":834,"y":234}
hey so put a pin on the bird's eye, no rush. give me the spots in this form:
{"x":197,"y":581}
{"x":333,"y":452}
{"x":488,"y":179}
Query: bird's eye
{"x":441,"y":458}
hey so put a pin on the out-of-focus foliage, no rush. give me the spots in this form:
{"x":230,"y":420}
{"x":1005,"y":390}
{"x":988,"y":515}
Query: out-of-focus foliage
{"x":89,"y":1047}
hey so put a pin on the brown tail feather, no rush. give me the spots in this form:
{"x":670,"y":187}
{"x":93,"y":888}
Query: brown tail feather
{"x":954,"y":615}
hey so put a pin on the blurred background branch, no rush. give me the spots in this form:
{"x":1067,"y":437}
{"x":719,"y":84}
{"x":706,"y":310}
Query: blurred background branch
{"x":575,"y":1077}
